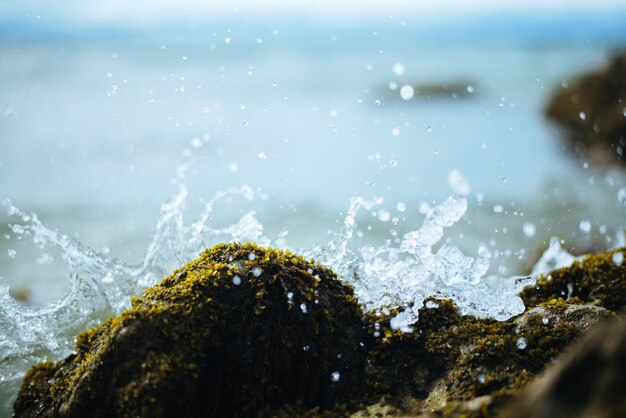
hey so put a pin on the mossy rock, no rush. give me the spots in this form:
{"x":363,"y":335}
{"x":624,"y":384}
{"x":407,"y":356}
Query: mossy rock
{"x":454,"y":365}
{"x":238,"y":331}
{"x":592,"y":110}
{"x":247,"y":331}
{"x":588,"y":381}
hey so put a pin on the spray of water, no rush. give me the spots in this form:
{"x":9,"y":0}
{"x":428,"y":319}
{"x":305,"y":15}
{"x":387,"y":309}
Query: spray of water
{"x":382,"y":276}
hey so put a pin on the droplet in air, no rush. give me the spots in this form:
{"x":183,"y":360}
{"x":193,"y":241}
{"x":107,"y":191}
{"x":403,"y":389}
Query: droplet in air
{"x":621,"y":196}
{"x":529,"y":229}
{"x":303,"y":308}
{"x":470,"y":89}
{"x":252,"y":256}
{"x":395,"y":131}
{"x":582,"y":116}
{"x":545,"y":320}
{"x":618,"y":258}
{"x":398,"y":68}
{"x":196,"y":143}
{"x":262,"y":156}
{"x":17,"y":229}
{"x":335,"y":377}
{"x":401,"y":206}
{"x":458,"y":183}
{"x":233,"y":167}
{"x":498,"y":209}
{"x":406,"y":92}
{"x":383,"y":215}
{"x":585,"y":226}
{"x":521,"y":343}
{"x":256,"y":271}
{"x":236,"y":280}
{"x":11,"y":252}
{"x":45,"y":259}
{"x":393,"y":85}
{"x":227,"y":39}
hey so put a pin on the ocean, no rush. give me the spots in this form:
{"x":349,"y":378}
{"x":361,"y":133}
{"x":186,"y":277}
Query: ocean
{"x":100,"y":126}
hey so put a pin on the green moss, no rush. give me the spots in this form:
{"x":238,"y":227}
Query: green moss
{"x":197,"y":344}
{"x":594,"y":280}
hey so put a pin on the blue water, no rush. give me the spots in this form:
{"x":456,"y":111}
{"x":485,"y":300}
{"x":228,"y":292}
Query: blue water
{"x":94,"y":122}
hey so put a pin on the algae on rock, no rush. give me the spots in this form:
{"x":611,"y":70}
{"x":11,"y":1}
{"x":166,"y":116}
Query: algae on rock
{"x":236,"y":331}
{"x":247,"y":331}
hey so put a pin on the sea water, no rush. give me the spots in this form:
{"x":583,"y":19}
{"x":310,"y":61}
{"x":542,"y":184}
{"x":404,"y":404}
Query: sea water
{"x":308,"y":137}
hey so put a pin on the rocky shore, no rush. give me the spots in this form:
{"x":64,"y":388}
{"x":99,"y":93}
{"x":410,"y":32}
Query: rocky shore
{"x":246,"y":331}
{"x":591,"y":112}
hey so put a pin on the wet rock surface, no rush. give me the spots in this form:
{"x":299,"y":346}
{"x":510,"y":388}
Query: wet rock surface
{"x":237,"y":331}
{"x":592,"y":112}
{"x":219,"y":337}
{"x":588,"y":381}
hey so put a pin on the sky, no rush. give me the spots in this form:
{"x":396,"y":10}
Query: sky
{"x":147,"y":11}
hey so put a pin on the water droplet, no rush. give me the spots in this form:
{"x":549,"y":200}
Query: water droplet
{"x":398,"y":68}
{"x":252,"y":256}
{"x":498,"y":209}
{"x":481,"y":378}
{"x":585,"y":226}
{"x":227,"y":39}
{"x":521,"y":343}
{"x":17,"y":229}
{"x":618,"y":258}
{"x":458,"y":183}
{"x":470,"y":89}
{"x":393,"y":85}
{"x":196,"y":143}
{"x":401,"y":206}
{"x":233,"y":167}
{"x":236,"y":280}
{"x":529,"y":229}
{"x":108,"y":278}
{"x":11,"y":252}
{"x":45,"y":259}
{"x":306,"y":347}
{"x":582,"y":116}
{"x":621,"y":196}
{"x":335,"y":377}
{"x":262,"y":156}
{"x":303,"y":308}
{"x":406,"y":92}
{"x":431,"y":304}
{"x":257,"y":271}
{"x":184,"y":57}
{"x":383,"y":215}
{"x":395,"y":131}
{"x":545,"y":320}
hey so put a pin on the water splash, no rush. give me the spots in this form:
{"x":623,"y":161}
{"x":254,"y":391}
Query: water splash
{"x":101,"y":286}
{"x":405,"y":275}
{"x":382,"y":276}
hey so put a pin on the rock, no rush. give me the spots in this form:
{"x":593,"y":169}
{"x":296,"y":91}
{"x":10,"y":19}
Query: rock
{"x":236,"y":332}
{"x":592,"y":111}
{"x":588,"y":381}
{"x":455,"y":89}
{"x":247,"y":331}
{"x":455,"y":365}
